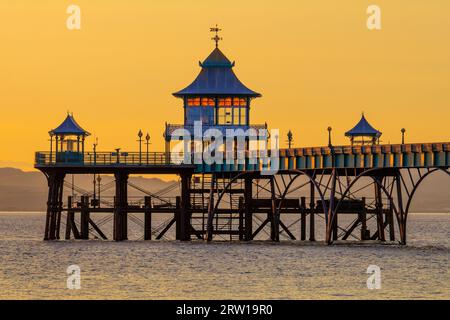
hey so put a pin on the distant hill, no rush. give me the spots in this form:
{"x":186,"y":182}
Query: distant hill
{"x":27,"y":191}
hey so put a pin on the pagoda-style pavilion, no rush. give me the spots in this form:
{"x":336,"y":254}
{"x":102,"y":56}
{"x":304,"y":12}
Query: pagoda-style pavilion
{"x":68,"y":143}
{"x":216,"y":98}
{"x":363,"y":133}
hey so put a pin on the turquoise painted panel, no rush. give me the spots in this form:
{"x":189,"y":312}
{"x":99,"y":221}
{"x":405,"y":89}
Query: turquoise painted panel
{"x":301,"y":162}
{"x":340,"y":163}
{"x":377,"y":160}
{"x":282,"y":163}
{"x":308,"y":162}
{"x":428,"y":159}
{"x":358,"y":160}
{"x":439,"y":159}
{"x":349,"y":161}
{"x":367,"y":161}
{"x":291,"y":163}
{"x":397,"y":159}
{"x":318,"y":161}
{"x":327,"y":161}
{"x":386,"y":160}
{"x":417,"y":159}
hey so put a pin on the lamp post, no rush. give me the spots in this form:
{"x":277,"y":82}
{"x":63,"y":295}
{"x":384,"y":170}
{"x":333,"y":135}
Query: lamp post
{"x":403,"y":135}
{"x":147,"y":139}
{"x":329,"y":137}
{"x":140,"y":134}
{"x":99,"y":180}
{"x":95,"y":160}
{"x":290,"y":138}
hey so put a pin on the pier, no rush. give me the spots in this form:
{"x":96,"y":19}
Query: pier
{"x":372,"y":183}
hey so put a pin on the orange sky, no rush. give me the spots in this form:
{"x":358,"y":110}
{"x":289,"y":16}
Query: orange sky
{"x":315,"y":63}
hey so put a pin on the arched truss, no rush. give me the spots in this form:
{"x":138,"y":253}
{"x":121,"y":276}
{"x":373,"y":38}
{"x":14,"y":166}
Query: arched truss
{"x":332,"y":192}
{"x":400,"y":202}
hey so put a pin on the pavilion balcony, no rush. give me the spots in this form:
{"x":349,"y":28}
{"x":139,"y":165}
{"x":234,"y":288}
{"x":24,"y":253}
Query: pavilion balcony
{"x":170,"y":128}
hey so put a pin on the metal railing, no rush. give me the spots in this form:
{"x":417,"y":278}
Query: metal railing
{"x":107,"y":158}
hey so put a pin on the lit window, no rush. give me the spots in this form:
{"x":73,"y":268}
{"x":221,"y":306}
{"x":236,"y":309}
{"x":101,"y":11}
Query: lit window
{"x":243,"y":117}
{"x":236,"y":115}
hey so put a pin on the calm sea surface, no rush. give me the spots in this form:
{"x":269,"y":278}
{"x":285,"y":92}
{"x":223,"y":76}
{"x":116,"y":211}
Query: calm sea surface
{"x":33,"y":269}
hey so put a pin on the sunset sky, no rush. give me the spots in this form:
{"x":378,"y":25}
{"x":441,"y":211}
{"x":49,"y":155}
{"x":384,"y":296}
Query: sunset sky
{"x":315,"y":62}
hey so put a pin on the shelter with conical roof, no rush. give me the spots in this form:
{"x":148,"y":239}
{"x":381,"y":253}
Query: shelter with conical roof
{"x":68,"y":140}
{"x":363,"y":133}
{"x":216,"y":98}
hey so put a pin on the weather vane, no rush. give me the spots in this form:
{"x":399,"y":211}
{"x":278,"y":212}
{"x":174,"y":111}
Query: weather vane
{"x":216,"y":38}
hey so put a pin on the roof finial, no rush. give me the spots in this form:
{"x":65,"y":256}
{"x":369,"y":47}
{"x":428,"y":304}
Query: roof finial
{"x":216,"y":38}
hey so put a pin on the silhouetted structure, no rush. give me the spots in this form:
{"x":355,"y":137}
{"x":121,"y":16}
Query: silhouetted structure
{"x":236,"y":199}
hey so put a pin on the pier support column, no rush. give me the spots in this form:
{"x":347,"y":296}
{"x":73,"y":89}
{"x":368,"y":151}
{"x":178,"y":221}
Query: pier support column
{"x":54,"y":204}
{"x":84,"y":218}
{"x":248,"y":215}
{"x":241,"y":218}
{"x":273,"y":216}
{"x":148,"y":218}
{"x":185,"y":218}
{"x":363,"y":219}
{"x":331,"y":215}
{"x":401,"y":218}
{"x":69,"y":218}
{"x":312,"y":206}
{"x":390,"y":221}
{"x":303,"y":218}
{"x":177,"y":217}
{"x":379,"y":208}
{"x":120,"y":207}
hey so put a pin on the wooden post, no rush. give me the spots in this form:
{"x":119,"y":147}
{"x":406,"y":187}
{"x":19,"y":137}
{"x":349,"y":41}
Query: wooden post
{"x":248,"y":216}
{"x":241,"y":218}
{"x":84,"y":217}
{"x":303,"y":218}
{"x":120,"y":207}
{"x":59,"y":206}
{"x":379,"y":208}
{"x":185,"y":219}
{"x":362,"y":218}
{"x":148,"y":218}
{"x":312,"y":206}
{"x":332,"y":213}
{"x":335,"y":227}
{"x":390,"y":218}
{"x":49,"y":207}
{"x":275,"y":226}
{"x":69,"y":217}
{"x":177,"y":217}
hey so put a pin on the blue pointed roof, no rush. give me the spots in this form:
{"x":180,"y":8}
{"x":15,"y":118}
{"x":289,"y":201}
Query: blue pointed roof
{"x":363,"y":128}
{"x":217,"y":78}
{"x":69,"y":127}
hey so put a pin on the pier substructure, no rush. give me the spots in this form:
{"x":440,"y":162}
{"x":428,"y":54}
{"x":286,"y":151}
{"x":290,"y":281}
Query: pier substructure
{"x":54,"y":205}
{"x":352,"y":204}
{"x":120,"y":231}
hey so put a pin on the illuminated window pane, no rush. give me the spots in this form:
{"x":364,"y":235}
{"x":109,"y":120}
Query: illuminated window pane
{"x":236,"y":115}
{"x":221,"y":102}
{"x":228,"y":102}
{"x":243,"y":102}
{"x":243,"y":118}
